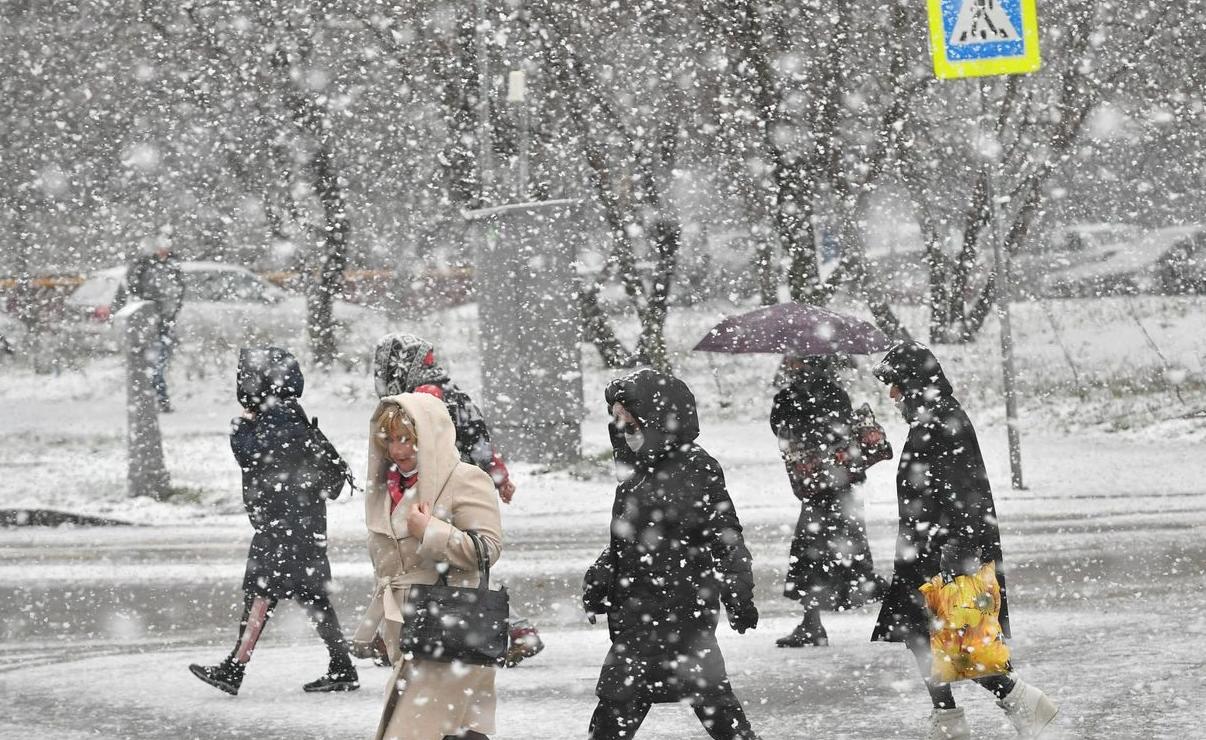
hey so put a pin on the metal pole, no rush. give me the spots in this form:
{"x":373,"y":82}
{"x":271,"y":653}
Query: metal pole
{"x":524,"y":126}
{"x":517,"y":95}
{"x":1004,"y":293}
{"x":485,"y":151}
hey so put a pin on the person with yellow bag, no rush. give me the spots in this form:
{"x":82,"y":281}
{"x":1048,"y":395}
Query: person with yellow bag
{"x":947,"y":601}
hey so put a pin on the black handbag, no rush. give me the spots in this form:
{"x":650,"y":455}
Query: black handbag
{"x":465,"y":624}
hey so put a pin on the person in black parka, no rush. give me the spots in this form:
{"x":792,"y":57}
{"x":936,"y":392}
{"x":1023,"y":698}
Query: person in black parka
{"x":948,"y":524}
{"x":288,"y":554}
{"x":829,"y":565}
{"x":676,"y":553}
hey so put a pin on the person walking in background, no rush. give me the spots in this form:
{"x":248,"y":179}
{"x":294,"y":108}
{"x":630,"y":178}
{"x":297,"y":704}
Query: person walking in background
{"x":288,"y":554}
{"x":676,"y":553}
{"x":829,"y":564}
{"x":420,"y":500}
{"x":155,"y":276}
{"x":948,"y":525}
{"x":404,"y":363}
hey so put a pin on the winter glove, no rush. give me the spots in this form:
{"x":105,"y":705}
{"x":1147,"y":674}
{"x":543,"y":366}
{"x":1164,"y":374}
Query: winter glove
{"x":957,"y":558}
{"x":596,"y":586}
{"x":744,"y":617}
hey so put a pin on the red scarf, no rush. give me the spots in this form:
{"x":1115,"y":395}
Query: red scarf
{"x":398,"y":485}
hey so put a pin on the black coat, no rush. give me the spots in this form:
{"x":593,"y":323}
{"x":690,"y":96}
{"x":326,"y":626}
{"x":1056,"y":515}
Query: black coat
{"x":288,"y":554}
{"x":829,"y":564}
{"x":814,"y":413}
{"x":943,"y":495}
{"x":676,"y":553}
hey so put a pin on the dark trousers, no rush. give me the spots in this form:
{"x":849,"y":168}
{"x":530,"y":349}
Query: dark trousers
{"x":722,"y":718}
{"x":163,"y":347}
{"x":257,"y":609}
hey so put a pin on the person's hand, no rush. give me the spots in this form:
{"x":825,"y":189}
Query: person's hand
{"x":248,"y":414}
{"x":506,"y":491}
{"x":744,"y":618}
{"x":418,"y":519}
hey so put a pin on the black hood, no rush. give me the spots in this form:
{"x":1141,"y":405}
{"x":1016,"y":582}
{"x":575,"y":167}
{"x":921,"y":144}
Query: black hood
{"x":915,"y":370}
{"x":819,"y":389}
{"x":664,"y":406}
{"x":267,"y":374}
{"x":814,"y":408}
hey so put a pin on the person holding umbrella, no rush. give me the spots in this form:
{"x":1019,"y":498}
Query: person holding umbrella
{"x":818,"y":434}
{"x":948,"y":526}
{"x":830,"y":565}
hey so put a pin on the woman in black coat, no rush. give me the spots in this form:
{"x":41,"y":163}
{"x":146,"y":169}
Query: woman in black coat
{"x":948,"y":524}
{"x":676,"y":553}
{"x":288,"y":554}
{"x":829,"y":565}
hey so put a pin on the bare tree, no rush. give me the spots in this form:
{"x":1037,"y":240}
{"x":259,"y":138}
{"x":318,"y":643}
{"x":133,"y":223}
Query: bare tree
{"x":1031,"y":126}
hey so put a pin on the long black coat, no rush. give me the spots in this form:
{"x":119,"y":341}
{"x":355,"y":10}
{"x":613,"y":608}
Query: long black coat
{"x":943,"y":495}
{"x":288,"y":554}
{"x":829,"y":564}
{"x":676,"y":553}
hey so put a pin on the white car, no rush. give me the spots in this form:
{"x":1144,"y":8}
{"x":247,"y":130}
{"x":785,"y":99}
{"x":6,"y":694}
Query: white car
{"x":224,"y":307}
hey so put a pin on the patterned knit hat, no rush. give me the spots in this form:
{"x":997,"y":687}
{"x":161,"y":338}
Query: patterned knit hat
{"x":402,"y":362}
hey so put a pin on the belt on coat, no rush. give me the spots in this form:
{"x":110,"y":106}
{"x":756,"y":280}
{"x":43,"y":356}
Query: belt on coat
{"x":385,"y":603}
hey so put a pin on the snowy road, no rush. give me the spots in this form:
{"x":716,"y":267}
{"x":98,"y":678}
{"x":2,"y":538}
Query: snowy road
{"x":1107,"y":576}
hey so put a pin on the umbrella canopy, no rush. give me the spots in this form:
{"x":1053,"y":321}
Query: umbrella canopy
{"x":794,"y":328}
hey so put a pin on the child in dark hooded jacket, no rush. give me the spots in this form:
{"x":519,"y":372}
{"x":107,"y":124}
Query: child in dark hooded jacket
{"x":288,"y":554}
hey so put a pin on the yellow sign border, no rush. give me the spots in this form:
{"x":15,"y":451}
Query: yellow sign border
{"x":948,"y":70}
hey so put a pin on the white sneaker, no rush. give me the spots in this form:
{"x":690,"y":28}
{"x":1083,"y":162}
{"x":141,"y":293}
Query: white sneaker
{"x":948,"y":724}
{"x":1028,"y":709}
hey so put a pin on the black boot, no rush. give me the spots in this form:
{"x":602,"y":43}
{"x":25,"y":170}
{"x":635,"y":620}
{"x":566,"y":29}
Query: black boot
{"x":808,"y":632}
{"x":227,"y":675}
{"x":340,"y":676}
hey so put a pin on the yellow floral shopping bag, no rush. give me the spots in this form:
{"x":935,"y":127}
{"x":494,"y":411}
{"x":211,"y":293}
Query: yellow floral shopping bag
{"x":965,"y":634}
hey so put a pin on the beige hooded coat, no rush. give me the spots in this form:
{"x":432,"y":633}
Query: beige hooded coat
{"x":425,"y":699}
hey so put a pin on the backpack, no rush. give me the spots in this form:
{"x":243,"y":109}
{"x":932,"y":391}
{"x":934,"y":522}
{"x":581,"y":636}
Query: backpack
{"x":323,"y":471}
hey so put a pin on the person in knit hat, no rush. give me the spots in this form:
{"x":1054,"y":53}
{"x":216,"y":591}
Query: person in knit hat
{"x":405,"y":363}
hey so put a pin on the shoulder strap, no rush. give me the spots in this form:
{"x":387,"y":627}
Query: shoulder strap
{"x":483,"y":563}
{"x":328,"y":449}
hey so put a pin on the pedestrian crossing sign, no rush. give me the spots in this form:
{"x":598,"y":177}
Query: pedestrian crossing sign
{"x":979,"y":38}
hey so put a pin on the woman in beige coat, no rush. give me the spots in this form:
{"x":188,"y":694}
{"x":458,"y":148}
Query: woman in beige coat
{"x":421,"y":498}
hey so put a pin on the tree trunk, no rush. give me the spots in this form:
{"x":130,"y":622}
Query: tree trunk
{"x":768,"y":279}
{"x":326,"y":277}
{"x":652,"y":345}
{"x":597,"y":330}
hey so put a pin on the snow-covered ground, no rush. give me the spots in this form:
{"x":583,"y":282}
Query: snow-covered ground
{"x":1105,"y":549}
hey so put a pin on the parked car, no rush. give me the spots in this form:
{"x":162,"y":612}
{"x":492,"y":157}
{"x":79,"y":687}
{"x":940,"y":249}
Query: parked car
{"x":225,"y":306}
{"x":1091,"y":236}
{"x":1167,"y":261}
{"x":12,"y":336}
